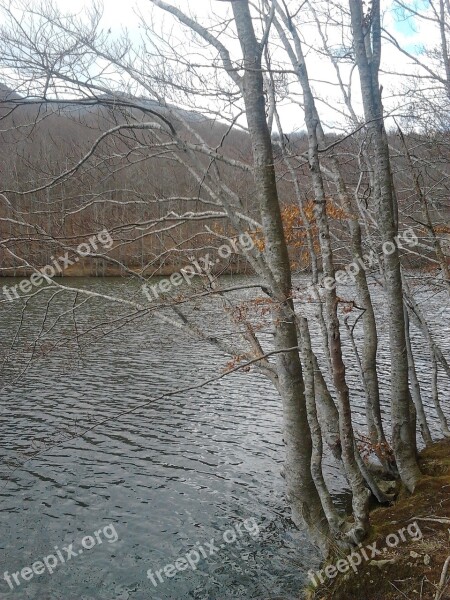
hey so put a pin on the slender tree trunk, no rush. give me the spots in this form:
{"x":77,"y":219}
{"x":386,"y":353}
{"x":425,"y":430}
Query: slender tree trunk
{"x":316,"y":433}
{"x":367,"y":47}
{"x":327,"y":412}
{"x":443,"y":25}
{"x":415,"y":387}
{"x":356,"y":480}
{"x":370,"y":346}
{"x":360,"y":493}
{"x":309,"y":238}
{"x":302,"y":492}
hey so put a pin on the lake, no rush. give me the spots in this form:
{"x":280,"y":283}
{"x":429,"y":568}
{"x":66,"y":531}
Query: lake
{"x":170,"y":478}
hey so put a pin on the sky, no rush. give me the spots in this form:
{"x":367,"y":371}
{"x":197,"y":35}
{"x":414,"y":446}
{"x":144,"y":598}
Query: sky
{"x":410,"y":33}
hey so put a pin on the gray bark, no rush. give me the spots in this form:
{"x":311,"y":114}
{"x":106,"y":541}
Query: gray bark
{"x":328,"y":414}
{"x":360,"y":494}
{"x":415,"y":387}
{"x":303,"y":496}
{"x":367,"y":47}
{"x":316,"y":432}
{"x":370,"y":345}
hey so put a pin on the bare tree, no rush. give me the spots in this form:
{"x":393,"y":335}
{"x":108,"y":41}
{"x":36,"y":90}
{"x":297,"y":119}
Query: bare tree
{"x":127,"y":154}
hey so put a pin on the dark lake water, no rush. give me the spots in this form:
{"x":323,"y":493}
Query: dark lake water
{"x":169,"y":478}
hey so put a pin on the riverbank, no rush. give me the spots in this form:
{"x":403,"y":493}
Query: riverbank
{"x":409,"y":566}
{"x":91,"y":269}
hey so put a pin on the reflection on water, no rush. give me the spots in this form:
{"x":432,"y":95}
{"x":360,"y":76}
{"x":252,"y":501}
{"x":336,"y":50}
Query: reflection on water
{"x":181,"y":471}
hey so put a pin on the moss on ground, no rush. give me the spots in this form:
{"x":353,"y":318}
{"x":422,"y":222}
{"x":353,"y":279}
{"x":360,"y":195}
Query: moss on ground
{"x":414,"y":566}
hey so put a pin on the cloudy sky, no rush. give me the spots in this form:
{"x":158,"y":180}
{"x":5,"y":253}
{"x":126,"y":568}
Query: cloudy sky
{"x":410,"y":33}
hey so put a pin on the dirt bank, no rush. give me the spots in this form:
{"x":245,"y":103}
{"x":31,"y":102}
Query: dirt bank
{"x":404,"y":566}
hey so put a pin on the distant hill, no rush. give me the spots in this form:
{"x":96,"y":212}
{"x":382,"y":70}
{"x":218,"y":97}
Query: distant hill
{"x":126,"y":179}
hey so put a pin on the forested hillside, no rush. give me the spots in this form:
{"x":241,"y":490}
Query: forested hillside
{"x":79,"y":172}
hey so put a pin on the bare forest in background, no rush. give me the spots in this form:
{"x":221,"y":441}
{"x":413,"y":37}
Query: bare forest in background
{"x":156,"y":209}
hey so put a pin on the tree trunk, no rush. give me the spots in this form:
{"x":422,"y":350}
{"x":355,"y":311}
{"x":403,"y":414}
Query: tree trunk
{"x":303,"y":496}
{"x":360,"y":494}
{"x":368,"y":60}
{"x":415,"y":387}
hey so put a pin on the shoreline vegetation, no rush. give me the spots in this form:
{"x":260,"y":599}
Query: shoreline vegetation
{"x":414,"y":568}
{"x":89,"y":269}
